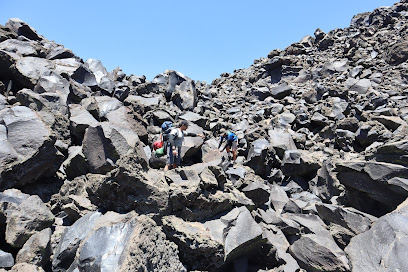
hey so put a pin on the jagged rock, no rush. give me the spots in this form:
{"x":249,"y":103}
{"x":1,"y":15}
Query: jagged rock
{"x":149,"y":250}
{"x":75,"y":165}
{"x":99,"y":150}
{"x":258,"y":192}
{"x":21,"y":48}
{"x":281,"y":91}
{"x":31,"y":216}
{"x":27,"y":147}
{"x":71,"y":239}
{"x":6,"y":259}
{"x":390,"y":122}
{"x":314,"y":253}
{"x":28,"y":70}
{"x":238,"y":232}
{"x":383,"y":247}
{"x":60,"y":52}
{"x":192,"y":203}
{"x":278,"y":198}
{"x":22,"y":29}
{"x":194,"y":118}
{"x":80,"y":120}
{"x":131,"y":189}
{"x":382,"y":186}
{"x":198,"y":251}
{"x":149,"y":103}
{"x":396,"y":152}
{"x":350,"y":218}
{"x":281,"y":141}
{"x":298,"y":163}
{"x":100,"y":106}
{"x":276,"y":237}
{"x":261,"y":157}
{"x":37,"y":249}
{"x":84,"y":76}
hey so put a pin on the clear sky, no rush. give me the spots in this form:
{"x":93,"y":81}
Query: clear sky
{"x":200,"y":39}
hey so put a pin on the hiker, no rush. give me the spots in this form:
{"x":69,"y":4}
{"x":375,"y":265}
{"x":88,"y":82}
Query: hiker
{"x":174,"y":143}
{"x":231,"y":145}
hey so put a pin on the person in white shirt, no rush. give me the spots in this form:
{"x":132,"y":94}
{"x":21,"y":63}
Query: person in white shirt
{"x":176,"y":138}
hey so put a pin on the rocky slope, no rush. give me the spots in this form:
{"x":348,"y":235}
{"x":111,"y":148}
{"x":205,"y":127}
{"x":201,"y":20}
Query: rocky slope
{"x":320,"y":183}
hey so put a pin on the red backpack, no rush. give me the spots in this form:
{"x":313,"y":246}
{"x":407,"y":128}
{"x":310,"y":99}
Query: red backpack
{"x":157,"y":145}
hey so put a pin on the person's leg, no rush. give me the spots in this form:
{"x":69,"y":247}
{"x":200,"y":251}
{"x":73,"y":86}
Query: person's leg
{"x":170,"y":158}
{"x":177,"y":159}
{"x":234,"y":150}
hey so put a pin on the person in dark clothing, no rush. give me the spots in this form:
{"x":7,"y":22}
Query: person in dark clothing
{"x":232,"y":142}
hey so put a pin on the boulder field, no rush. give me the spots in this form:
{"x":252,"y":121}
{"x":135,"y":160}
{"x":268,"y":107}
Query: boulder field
{"x":320,"y":182}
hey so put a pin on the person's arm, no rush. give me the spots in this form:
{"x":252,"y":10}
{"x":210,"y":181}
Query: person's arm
{"x":194,"y":134}
{"x":172,"y":136}
{"x":221,"y":140}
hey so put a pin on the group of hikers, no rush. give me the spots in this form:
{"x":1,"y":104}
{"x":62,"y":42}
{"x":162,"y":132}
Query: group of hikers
{"x":171,"y":141}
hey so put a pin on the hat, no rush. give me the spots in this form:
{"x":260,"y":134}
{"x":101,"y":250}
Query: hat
{"x":184,"y":122}
{"x":223,"y":131}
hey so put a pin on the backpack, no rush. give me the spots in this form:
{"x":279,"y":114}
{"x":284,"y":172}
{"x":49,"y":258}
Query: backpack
{"x":165,"y":130}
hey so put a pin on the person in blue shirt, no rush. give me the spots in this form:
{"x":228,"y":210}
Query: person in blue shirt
{"x":232,"y":142}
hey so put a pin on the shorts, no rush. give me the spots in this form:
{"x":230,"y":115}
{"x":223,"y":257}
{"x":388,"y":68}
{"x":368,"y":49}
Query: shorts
{"x":170,"y":158}
{"x":232,"y":144}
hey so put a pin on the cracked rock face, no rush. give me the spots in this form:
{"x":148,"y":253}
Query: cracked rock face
{"x":319,"y":184}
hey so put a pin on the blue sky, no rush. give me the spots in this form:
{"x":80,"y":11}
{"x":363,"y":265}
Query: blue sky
{"x":200,"y":39}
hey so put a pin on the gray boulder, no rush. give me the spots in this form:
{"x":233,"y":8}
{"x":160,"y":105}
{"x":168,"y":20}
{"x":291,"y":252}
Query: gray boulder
{"x":190,"y":202}
{"x":384,"y":246}
{"x":195,"y":118}
{"x":134,"y":189}
{"x":382,"y":186}
{"x":238,"y":232}
{"x":298,"y":163}
{"x":281,"y":91}
{"x":28,"y":150}
{"x":6,"y":259}
{"x":37,"y":249}
{"x":197,"y":250}
{"x":261,"y":157}
{"x":315,"y":254}
{"x":71,"y":239}
{"x":258,"y":192}
{"x":31,"y":216}
{"x":281,"y":141}
{"x":22,"y":29}
{"x":75,"y":165}
{"x":352,"y":219}
{"x":394,"y":152}
{"x":21,"y":48}
{"x":80,"y":120}
{"x":99,"y":150}
{"x":28,"y":70}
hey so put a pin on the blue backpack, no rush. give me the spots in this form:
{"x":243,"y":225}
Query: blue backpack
{"x":165,"y":130}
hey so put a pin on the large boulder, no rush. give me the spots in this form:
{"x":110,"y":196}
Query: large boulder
{"x":70,"y":240}
{"x":315,"y":254}
{"x":28,"y":151}
{"x":189,"y":201}
{"x":31,"y":216}
{"x":384,"y":246}
{"x":197,"y":250}
{"x":130,"y":188}
{"x":116,"y":242}
{"x":22,"y":29}
{"x":381,"y":186}
{"x":37,"y":249}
